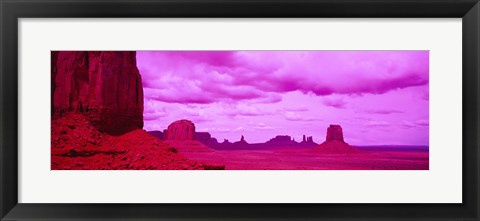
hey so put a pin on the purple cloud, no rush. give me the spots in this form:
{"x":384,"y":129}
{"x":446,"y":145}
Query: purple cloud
{"x":297,"y":108}
{"x":294,"y":116}
{"x":336,"y":102}
{"x":383,"y":111}
{"x":418,"y":123}
{"x":206,"y":77}
{"x":245,"y":110}
{"x":378,"y":124}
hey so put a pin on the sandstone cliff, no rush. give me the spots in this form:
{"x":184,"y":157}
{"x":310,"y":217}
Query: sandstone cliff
{"x":106,"y":87}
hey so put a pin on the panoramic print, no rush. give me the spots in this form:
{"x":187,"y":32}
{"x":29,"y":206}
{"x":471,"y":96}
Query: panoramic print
{"x":240,"y":110}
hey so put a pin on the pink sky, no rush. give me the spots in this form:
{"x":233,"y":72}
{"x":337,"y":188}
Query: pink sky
{"x":378,"y":97}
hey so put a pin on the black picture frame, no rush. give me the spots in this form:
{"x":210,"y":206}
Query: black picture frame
{"x":12,"y":10}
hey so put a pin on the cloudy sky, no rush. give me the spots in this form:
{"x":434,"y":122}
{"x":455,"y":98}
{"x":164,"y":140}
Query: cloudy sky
{"x":378,"y":97}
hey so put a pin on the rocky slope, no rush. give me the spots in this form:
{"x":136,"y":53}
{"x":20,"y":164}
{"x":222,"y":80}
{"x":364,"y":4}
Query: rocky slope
{"x":78,"y":145}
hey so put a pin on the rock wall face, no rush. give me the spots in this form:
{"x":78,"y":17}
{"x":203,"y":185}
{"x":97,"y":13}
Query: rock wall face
{"x":180,"y":130}
{"x":104,"y":86}
{"x":334,"y":132}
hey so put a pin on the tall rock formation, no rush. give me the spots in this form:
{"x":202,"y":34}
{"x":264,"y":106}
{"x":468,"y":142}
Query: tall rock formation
{"x":181,"y":135}
{"x":180,"y":130}
{"x":308,"y":142}
{"x":241,"y":142}
{"x":104,"y":86}
{"x":334,"y":132}
{"x":334,"y":142}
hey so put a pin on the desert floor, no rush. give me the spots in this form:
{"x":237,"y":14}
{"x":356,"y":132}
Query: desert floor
{"x":308,"y":160}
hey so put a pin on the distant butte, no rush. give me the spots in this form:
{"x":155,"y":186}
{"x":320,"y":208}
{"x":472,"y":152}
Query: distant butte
{"x":180,"y":130}
{"x":181,"y":135}
{"x":184,"y":130}
{"x":335,"y":133}
{"x":334,"y":142}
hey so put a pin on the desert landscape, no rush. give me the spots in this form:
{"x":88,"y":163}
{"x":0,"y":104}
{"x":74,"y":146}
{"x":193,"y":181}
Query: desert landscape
{"x":107,"y":114}
{"x":283,"y":153}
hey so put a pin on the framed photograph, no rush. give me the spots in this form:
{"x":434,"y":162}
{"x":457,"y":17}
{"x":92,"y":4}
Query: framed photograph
{"x":228,"y":110}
